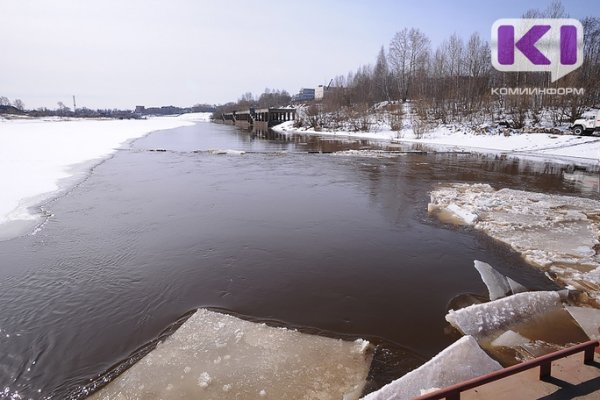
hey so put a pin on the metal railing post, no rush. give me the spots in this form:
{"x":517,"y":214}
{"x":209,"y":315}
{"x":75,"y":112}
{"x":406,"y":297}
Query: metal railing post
{"x":545,"y":370}
{"x":588,"y":355}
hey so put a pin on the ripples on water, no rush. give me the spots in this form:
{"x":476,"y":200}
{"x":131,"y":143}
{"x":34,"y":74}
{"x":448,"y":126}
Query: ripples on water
{"x":340,"y":246}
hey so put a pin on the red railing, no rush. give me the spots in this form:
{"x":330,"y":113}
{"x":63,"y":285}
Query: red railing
{"x":544,"y":362}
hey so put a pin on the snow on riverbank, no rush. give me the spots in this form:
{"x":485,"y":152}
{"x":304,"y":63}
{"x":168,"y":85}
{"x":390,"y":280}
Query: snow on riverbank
{"x":217,"y":356}
{"x":559,"y":234}
{"x":36,"y":154}
{"x":569,"y":148}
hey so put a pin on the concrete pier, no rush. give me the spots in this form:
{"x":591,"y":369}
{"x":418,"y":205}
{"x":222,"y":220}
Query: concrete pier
{"x":262,"y":118}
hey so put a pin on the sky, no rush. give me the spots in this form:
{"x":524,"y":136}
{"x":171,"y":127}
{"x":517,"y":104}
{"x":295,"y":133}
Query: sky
{"x":123,"y":53}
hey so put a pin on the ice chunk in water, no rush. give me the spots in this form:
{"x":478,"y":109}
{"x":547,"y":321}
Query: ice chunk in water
{"x":462,"y":360}
{"x":588,"y":319}
{"x":510,"y":339}
{"x":496,"y":283}
{"x":549,"y":231}
{"x":228,"y":152}
{"x":467,"y":217}
{"x":515,"y":287}
{"x":481,"y":319}
{"x":257,"y":361}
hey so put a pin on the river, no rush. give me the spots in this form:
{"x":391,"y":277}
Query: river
{"x":291,"y":233}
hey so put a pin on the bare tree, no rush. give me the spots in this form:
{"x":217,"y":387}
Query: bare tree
{"x":4,"y":101}
{"x":362,"y":85}
{"x":18,"y":103}
{"x":399,"y":60}
{"x":62,"y":109}
{"x":556,"y":10}
{"x":380,"y":76}
{"x":409,"y":55}
{"x":477,"y":56}
{"x":456,"y":51}
{"x":247,"y":100}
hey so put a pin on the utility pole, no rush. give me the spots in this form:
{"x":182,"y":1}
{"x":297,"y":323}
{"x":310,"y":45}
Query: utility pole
{"x":74,"y":104}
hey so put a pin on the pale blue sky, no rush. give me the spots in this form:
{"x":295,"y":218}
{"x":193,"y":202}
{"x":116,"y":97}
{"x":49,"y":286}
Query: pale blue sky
{"x":119,"y":53}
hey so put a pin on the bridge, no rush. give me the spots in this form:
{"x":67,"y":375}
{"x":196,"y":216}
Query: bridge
{"x":262,"y":118}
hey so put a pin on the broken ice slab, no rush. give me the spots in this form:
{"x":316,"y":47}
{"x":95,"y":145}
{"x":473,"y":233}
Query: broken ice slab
{"x":482,"y":319}
{"x":218,"y":356}
{"x":588,"y":319}
{"x":522,"y":347}
{"x":498,"y":285}
{"x":462,"y":360}
{"x":518,"y":334}
{"x":515,"y":287}
{"x":543,"y":334}
{"x":510,"y":339}
{"x":552,"y":232}
{"x":467,"y":217}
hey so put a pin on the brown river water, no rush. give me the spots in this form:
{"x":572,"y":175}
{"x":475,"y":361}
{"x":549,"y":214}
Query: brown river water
{"x":289,"y":233}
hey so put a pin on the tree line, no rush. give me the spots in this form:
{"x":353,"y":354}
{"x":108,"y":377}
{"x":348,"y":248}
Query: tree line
{"x":18,"y":107}
{"x":17,"y":103}
{"x":452,"y":82}
{"x":269,"y":98}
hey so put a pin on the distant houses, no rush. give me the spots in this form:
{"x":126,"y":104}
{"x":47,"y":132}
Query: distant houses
{"x":305,"y":94}
{"x":310,"y":94}
{"x":172,"y":110}
{"x":10,"y":110}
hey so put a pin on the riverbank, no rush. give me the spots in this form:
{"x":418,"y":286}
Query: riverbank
{"x":39,"y":157}
{"x":562,"y":148}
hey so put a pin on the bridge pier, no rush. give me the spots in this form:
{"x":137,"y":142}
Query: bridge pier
{"x":267,"y":116}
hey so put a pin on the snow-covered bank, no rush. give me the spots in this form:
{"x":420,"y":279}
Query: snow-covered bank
{"x":578,"y":149}
{"x":36,"y":155}
{"x":584,"y":150}
{"x":559,"y":234}
{"x":217,"y":356}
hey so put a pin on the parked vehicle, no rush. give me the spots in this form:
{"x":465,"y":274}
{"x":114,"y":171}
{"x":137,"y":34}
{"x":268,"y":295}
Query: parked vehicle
{"x":587,"y":124}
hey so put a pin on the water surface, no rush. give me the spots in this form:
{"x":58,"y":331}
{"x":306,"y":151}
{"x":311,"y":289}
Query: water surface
{"x":288,"y":233}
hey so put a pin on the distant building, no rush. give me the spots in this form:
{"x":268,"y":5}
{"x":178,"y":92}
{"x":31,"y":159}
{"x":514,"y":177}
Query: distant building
{"x":139,"y":109}
{"x":305,"y":94}
{"x":320,"y":92}
{"x":10,"y":110}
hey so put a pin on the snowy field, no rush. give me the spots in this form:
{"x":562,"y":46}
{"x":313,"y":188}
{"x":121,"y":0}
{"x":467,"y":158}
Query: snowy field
{"x":39,"y":157}
{"x":563,"y":148}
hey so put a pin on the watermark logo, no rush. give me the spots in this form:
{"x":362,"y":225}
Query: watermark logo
{"x":537,"y":44}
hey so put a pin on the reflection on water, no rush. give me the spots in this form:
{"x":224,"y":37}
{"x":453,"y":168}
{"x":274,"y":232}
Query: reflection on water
{"x":584,"y":181}
{"x":285,"y":233}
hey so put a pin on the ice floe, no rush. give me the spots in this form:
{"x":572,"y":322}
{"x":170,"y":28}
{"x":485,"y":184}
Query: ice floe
{"x":510,"y":339}
{"x":218,"y":356}
{"x":369,"y":153}
{"x":462,"y":360}
{"x":519,"y":327}
{"x":227,"y":152}
{"x":588,"y":319}
{"x":483,"y":319}
{"x":498,"y":285}
{"x":559,"y":234}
